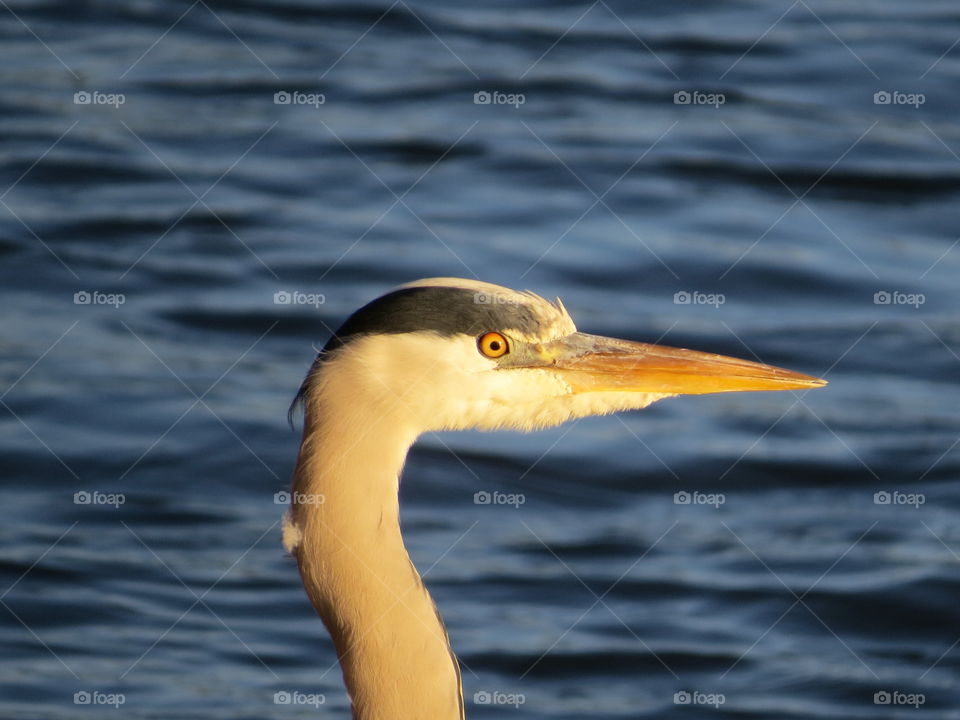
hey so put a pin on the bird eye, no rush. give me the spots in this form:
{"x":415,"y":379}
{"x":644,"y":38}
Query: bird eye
{"x":493,"y":345}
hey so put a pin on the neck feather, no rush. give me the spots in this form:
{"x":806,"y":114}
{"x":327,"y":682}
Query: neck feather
{"x":393,"y":649}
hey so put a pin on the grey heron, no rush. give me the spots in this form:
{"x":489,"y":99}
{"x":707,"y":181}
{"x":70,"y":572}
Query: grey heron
{"x":444,"y":354}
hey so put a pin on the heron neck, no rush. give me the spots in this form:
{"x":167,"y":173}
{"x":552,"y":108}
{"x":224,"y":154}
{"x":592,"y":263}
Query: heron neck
{"x":393,"y":648}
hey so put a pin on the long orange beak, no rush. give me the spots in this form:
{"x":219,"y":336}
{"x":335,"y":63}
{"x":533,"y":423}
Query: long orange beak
{"x":592,"y":363}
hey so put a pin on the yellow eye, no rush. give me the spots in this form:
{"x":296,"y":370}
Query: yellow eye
{"x":493,"y":345}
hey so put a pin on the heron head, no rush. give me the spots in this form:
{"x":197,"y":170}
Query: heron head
{"x":449,"y":354}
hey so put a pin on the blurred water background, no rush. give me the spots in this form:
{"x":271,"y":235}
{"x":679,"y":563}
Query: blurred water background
{"x":193,"y":194}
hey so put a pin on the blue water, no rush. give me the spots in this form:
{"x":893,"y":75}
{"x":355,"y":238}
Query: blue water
{"x":795,"y":202}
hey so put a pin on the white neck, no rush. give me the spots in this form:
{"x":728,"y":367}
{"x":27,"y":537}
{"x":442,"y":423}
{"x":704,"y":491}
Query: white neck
{"x":393,"y":649}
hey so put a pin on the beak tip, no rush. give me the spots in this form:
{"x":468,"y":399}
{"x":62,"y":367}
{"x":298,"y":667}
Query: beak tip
{"x":796,"y":381}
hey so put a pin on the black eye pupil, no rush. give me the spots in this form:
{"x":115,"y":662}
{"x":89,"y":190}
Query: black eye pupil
{"x":494,"y":345}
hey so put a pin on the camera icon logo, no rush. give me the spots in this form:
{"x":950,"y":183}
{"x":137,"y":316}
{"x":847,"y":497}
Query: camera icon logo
{"x":81,"y":298}
{"x":81,"y":498}
{"x":681,"y":298}
{"x":281,"y":98}
{"x":81,"y":97}
{"x":681,"y":498}
{"x":281,"y":498}
{"x":481,"y":98}
{"x":81,"y":698}
{"x":481,"y":498}
{"x":481,"y":697}
{"x":881,"y":498}
{"x":681,"y":97}
{"x":681,"y":697}
{"x":881,"y":698}
{"x":282,"y":297}
{"x":281,"y":697}
{"x":882,"y":97}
